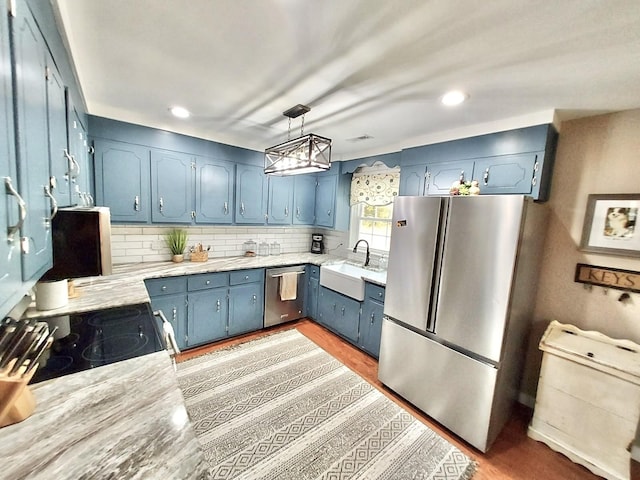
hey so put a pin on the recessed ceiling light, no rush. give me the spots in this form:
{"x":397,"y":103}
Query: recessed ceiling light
{"x":179,"y":112}
{"x":454,"y":97}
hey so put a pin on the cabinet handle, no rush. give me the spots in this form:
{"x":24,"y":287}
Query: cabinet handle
{"x":12,"y":229}
{"x":76,"y":167}
{"x":164,"y":288}
{"x":329,"y":212}
{"x":343,"y":311}
{"x":297,"y":212}
{"x":175,"y":314}
{"x":218,"y":305}
{"x":91,"y":150}
{"x":485,"y":177}
{"x":373,"y":317}
{"x":380,"y":294}
{"x":254,"y":298}
{"x":136,"y":203}
{"x":208,"y":282}
{"x":161,"y":204}
{"x":241,"y":208}
{"x":54,"y":204}
{"x":246,"y":277}
{"x":462,"y":176}
{"x":69,"y":162}
{"x":286,"y":211}
{"x":226,"y":208}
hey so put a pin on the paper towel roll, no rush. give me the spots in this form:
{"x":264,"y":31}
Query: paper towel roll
{"x":51,"y":295}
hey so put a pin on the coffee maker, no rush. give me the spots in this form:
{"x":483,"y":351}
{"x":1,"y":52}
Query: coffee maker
{"x":317,"y":244}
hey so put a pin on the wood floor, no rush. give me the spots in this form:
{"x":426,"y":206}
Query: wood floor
{"x":512,"y":456}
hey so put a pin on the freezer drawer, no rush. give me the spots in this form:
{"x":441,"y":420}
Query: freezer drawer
{"x":453,"y":389}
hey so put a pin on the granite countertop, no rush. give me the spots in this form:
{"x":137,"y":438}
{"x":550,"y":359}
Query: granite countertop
{"x":124,"y":420}
{"x":125,"y":286}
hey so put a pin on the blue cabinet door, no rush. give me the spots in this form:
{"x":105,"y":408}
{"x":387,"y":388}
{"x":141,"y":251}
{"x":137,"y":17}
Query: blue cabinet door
{"x":251,"y":187}
{"x":246,"y":308}
{"x":304,"y":199}
{"x":412,"y":179}
{"x":280,"y":198}
{"x":79,"y":149}
{"x":328,"y":301}
{"x":174,"y":308}
{"x":312,"y":297}
{"x":371,"y":326}
{"x":510,"y":174}
{"x":207,"y":316}
{"x":326,"y":200}
{"x":214,"y":191}
{"x":122,"y":180}
{"x":440,"y":176}
{"x":32,"y":143}
{"x":10,"y":273}
{"x":172,"y":178}
{"x":60,"y":163}
{"x":347,"y":318}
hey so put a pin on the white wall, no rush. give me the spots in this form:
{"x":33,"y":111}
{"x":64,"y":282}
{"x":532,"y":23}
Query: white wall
{"x":595,"y":155}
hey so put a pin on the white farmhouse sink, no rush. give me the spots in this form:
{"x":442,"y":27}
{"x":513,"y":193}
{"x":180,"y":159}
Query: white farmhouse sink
{"x":344,"y":278}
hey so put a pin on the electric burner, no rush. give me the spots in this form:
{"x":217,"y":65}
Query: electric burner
{"x":99,"y":338}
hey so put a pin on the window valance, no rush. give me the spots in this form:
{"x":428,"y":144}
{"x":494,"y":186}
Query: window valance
{"x":375,"y":189}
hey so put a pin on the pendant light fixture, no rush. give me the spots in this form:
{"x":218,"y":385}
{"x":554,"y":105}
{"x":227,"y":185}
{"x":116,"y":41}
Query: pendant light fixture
{"x":305,"y":154}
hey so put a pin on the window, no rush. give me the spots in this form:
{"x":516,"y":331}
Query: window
{"x":373,"y":224}
{"x":372,"y":192}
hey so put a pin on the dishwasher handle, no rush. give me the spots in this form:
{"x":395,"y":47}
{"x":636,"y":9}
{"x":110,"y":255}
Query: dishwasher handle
{"x":280,"y":274}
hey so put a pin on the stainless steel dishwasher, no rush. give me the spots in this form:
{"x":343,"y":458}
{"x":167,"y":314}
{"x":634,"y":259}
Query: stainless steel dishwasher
{"x":277,"y":310}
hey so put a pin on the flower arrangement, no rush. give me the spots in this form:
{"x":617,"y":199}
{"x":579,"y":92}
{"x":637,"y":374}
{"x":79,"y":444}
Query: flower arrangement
{"x":465,"y":188}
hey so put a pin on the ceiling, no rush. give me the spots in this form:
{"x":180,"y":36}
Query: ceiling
{"x":367,"y":68}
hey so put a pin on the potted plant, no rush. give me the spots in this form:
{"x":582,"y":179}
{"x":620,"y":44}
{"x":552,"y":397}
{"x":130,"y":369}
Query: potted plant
{"x":177,"y":242}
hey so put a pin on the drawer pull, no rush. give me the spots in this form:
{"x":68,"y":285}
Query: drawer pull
{"x":246,"y":277}
{"x":208,"y":282}
{"x":164,"y":288}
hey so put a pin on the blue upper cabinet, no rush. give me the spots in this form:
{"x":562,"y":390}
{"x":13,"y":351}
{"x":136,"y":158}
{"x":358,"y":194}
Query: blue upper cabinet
{"x":326,"y":200}
{"x":10,"y":273}
{"x":507,"y":173}
{"x":304,"y":199}
{"x":214,"y":191}
{"x":60,"y":162}
{"x":517,"y":161}
{"x":280,"y":200}
{"x":440,"y":176}
{"x":172,"y":179}
{"x":251,"y":186}
{"x":122,"y":180}
{"x":79,"y":150}
{"x":30,"y":54}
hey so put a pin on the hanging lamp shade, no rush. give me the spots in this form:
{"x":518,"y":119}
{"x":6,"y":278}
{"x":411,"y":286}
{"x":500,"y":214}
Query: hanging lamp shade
{"x":305,"y":154}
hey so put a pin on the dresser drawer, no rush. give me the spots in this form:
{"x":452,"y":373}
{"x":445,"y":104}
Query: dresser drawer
{"x":246,"y":276}
{"x":207,"y":280}
{"x":166,"y":286}
{"x":376,"y":292}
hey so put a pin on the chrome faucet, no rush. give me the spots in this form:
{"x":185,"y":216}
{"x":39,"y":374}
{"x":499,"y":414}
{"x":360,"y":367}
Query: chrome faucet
{"x":355,"y":249}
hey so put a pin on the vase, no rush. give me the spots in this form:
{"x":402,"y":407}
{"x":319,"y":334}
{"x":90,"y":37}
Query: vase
{"x":177,"y":258}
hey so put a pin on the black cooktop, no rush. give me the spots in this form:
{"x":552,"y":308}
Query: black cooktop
{"x":92,"y":339}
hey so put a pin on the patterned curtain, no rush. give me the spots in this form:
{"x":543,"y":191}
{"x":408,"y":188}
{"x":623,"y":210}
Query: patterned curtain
{"x":374,"y":189}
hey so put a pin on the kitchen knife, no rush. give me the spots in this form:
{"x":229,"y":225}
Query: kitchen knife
{"x":14,"y":347}
{"x":35,"y":340}
{"x":33,"y":362}
{"x":6,"y":332}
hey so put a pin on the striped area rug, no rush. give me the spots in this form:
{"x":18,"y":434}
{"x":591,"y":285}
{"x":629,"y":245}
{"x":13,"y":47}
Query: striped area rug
{"x":280,"y":407}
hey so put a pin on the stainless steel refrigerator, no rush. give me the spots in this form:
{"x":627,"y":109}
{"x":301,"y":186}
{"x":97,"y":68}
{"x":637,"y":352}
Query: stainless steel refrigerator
{"x":461,"y":286}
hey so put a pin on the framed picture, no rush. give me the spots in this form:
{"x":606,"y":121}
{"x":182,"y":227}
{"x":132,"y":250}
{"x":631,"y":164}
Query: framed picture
{"x":610,"y":225}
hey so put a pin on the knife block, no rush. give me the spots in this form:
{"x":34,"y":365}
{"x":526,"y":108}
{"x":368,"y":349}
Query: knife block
{"x":16,"y":400}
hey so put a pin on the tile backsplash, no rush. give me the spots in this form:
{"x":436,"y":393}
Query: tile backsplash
{"x":133,"y":243}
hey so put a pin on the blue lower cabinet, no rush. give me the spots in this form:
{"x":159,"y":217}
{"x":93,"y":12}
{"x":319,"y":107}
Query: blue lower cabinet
{"x":313,"y":288}
{"x":339,"y":313}
{"x":174,"y":308}
{"x":371,"y":326}
{"x":246,"y":308}
{"x":207,"y":316}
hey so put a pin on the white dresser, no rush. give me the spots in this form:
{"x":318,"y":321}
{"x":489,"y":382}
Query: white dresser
{"x":588,"y":399}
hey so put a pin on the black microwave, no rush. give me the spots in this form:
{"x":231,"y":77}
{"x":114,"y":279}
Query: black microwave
{"x":81,"y":239}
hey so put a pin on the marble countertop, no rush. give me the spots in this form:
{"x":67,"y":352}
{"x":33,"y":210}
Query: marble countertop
{"x":126,"y":420}
{"x":125,"y":286}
